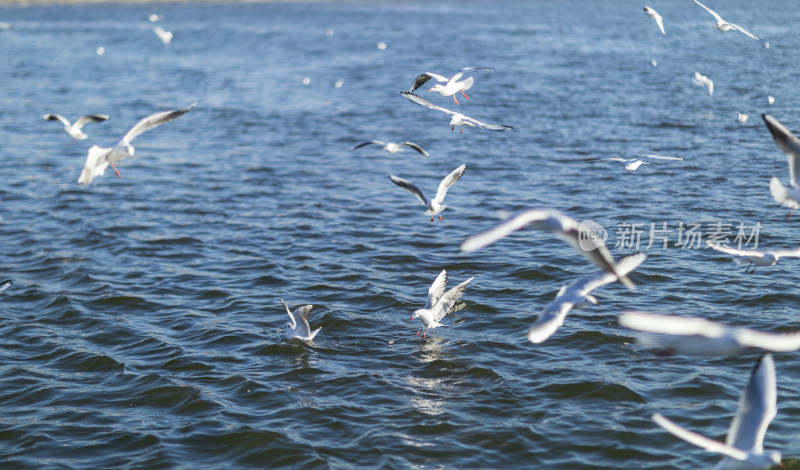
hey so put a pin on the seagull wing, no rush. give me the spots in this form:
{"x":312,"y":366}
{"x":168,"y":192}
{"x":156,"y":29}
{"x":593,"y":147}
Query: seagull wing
{"x":508,"y":226}
{"x":90,"y":118}
{"x":5,"y":284}
{"x":370,"y":142}
{"x":289,"y":312}
{"x":449,"y":299}
{"x":671,"y":324}
{"x":591,"y":282}
{"x":154,"y":120}
{"x":787,"y":142}
{"x":739,"y":28}
{"x":415,"y":147}
{"x":550,"y":320}
{"x":713,"y":13}
{"x":698,"y":440}
{"x":660,"y":22}
{"x":663,"y":157}
{"x":411,"y":187}
{"x":57,"y":117}
{"x":473,"y":69}
{"x":795,"y":253}
{"x":448,"y":181}
{"x":769,"y":341}
{"x":95,"y":165}
{"x":423,"y":102}
{"x":436,"y":290}
{"x":491,"y":127}
{"x":734,"y":251}
{"x":301,"y":314}
{"x":757,"y":408}
{"x":422,"y":79}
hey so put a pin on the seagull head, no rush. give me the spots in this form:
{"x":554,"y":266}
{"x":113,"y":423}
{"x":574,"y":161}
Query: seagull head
{"x":416,"y":314}
{"x":437,"y":88}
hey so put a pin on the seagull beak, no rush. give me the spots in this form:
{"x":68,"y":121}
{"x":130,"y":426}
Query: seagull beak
{"x":412,"y":317}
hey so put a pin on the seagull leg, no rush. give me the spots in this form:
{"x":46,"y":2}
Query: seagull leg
{"x":420,"y":331}
{"x":116,"y":172}
{"x":454,"y":99}
{"x":431,"y":218}
{"x":426,"y":332}
{"x":462,"y":129}
{"x":440,"y":217}
{"x":789,"y":214}
{"x":465,"y":95}
{"x":452,"y":128}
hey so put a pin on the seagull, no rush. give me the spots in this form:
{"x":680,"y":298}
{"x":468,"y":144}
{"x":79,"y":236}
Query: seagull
{"x":576,"y":234}
{"x":392,"y":147}
{"x":690,"y":336}
{"x":457,"y":119}
{"x":5,"y":284}
{"x":755,"y":258}
{"x":743,"y":117}
{"x":786,"y":141}
{"x":744,"y":447}
{"x":165,"y":36}
{"x":298,"y":326}
{"x":652,"y":14}
{"x":98,"y":158}
{"x":451,"y":85}
{"x":577,"y":296}
{"x":723,"y":25}
{"x":702,"y":80}
{"x":74,"y":130}
{"x":635,"y":163}
{"x":435,"y":205}
{"x":439,"y":303}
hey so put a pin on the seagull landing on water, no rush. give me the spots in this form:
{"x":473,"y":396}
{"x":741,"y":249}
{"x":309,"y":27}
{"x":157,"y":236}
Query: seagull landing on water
{"x":98,"y":158}
{"x":75,"y":130}
{"x":435,"y":205}
{"x":702,"y":80}
{"x":673,"y":334}
{"x":550,"y":220}
{"x":456,"y":119}
{"x":577,"y":296}
{"x":392,"y":147}
{"x":754,"y":258}
{"x":633,"y":164}
{"x":652,"y":14}
{"x":723,"y":25}
{"x":298,"y":325}
{"x":448,"y":86}
{"x":439,"y":303}
{"x":744,"y":447}
{"x":786,"y":141}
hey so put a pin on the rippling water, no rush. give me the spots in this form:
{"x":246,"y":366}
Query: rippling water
{"x":141,"y":330}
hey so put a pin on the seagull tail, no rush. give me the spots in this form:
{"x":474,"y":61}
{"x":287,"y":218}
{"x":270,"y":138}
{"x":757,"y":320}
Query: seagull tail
{"x":778,"y":190}
{"x":431,"y":212}
{"x":467,"y":83}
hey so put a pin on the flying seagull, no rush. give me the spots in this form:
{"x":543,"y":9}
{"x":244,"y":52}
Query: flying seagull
{"x":723,"y":25}
{"x":744,"y":446}
{"x":550,"y":220}
{"x":635,"y":163}
{"x":456,"y":119}
{"x":448,"y":86}
{"x":392,"y":147}
{"x":5,"y":284}
{"x":439,"y":303}
{"x":786,"y":141}
{"x":652,"y":14}
{"x":754,"y":258}
{"x":75,"y":130}
{"x":702,"y":80}
{"x":298,"y":327}
{"x":435,"y":205}
{"x":98,"y":158}
{"x":577,"y":296}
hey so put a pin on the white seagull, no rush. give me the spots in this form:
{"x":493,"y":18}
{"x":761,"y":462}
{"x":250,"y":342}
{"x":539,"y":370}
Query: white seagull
{"x":298,"y":326}
{"x":75,"y":130}
{"x":439,"y":303}
{"x":435,"y":205}
{"x":392,"y":147}
{"x":786,"y":141}
{"x":635,"y":163}
{"x":702,"y":80}
{"x":98,"y":158}
{"x":456,"y":119}
{"x":5,"y":284}
{"x":723,"y":25}
{"x":673,"y":334}
{"x":448,"y":86}
{"x":576,"y":234}
{"x":577,"y":296}
{"x":652,"y":14}
{"x":164,"y":35}
{"x":755,"y":258}
{"x":744,"y":447}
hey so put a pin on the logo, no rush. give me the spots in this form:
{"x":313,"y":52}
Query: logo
{"x":591,"y":235}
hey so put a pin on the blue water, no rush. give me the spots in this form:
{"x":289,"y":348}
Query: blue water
{"x":141,"y":329}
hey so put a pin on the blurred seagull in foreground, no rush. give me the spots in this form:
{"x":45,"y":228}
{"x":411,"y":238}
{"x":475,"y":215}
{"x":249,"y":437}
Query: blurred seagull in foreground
{"x":723,"y":25}
{"x":652,"y":14}
{"x":392,"y":147}
{"x":448,"y":86}
{"x":456,"y":119}
{"x":702,"y":80}
{"x":673,"y":334}
{"x":439,"y":303}
{"x":165,"y":36}
{"x":582,"y":236}
{"x":75,"y":130}
{"x":577,"y":296}
{"x":754,"y":258}
{"x":298,"y":326}
{"x":5,"y":284}
{"x":634,"y":164}
{"x":786,"y":141}
{"x":744,"y":447}
{"x":98,"y":158}
{"x":435,"y":205}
